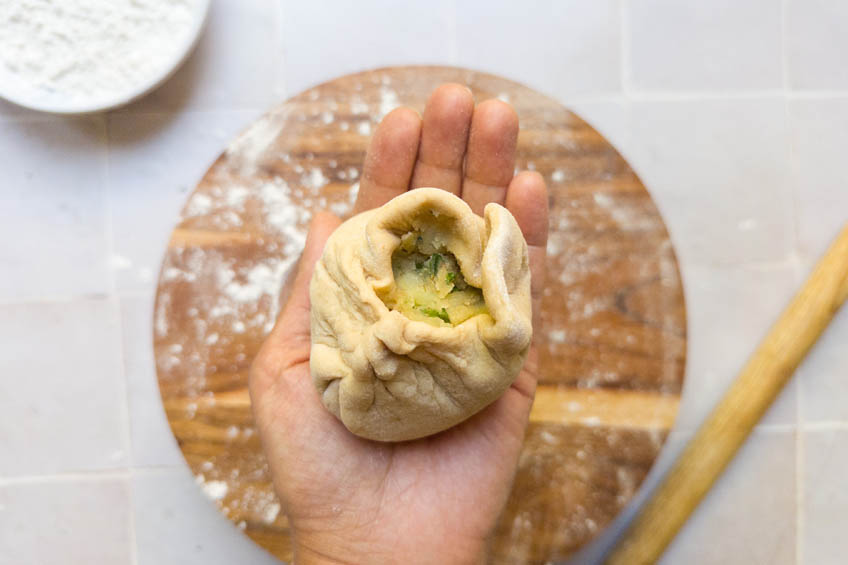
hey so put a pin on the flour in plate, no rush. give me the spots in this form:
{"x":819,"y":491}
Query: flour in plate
{"x":91,"y":49}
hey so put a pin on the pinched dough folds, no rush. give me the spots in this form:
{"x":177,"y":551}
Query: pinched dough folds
{"x":387,"y":377}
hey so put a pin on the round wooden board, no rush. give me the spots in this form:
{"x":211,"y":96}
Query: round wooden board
{"x":612,"y":341}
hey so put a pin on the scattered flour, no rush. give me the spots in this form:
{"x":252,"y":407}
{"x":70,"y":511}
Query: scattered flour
{"x":264,"y":278}
{"x":556,"y":336}
{"x":603,"y":200}
{"x":627,"y":217}
{"x":199,"y":205}
{"x":248,"y":150}
{"x":271,"y":512}
{"x":315,"y":179}
{"x":236,"y":196}
{"x":216,"y":490}
{"x":388,"y":102}
{"x":358,"y":107}
{"x":282,"y":213}
{"x":549,"y":438}
{"x":339,"y":208}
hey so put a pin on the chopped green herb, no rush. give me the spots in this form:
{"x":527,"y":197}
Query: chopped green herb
{"x":437,"y":260}
{"x":433,"y":313}
{"x":419,"y":265}
{"x":450,"y":277}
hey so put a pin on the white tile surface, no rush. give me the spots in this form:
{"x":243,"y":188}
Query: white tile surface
{"x":816,"y":43}
{"x":53,"y":218}
{"x":684,"y":45}
{"x":749,"y":515}
{"x":719,"y":171}
{"x":177,"y":525}
{"x":62,"y":400}
{"x":64,"y":522}
{"x":824,"y":375}
{"x":325,"y":39}
{"x":820,"y":136}
{"x":152,"y":443}
{"x":729,"y":312}
{"x":155,"y":161}
{"x":234,"y":66}
{"x":565,"y":49}
{"x":691,"y":93}
{"x":825,"y":498}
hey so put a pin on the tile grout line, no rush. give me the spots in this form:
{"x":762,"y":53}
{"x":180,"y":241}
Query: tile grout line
{"x":648,"y":95}
{"x":66,"y":477}
{"x":93,"y":475}
{"x":128,"y":432}
{"x":56,"y":299}
{"x":125,"y":413}
{"x":826,"y":426}
{"x":624,"y":49}
{"x":796,"y":241}
{"x":794,"y":165}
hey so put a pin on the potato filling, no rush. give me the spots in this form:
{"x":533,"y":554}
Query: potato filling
{"x":429,"y":286}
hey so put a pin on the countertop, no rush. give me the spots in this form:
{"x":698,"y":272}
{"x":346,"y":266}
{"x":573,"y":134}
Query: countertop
{"x":734,"y":115}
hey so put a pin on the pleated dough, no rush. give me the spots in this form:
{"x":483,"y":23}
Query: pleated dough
{"x":388,"y":377}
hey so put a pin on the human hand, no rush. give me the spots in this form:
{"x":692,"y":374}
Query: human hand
{"x":435,"y":499}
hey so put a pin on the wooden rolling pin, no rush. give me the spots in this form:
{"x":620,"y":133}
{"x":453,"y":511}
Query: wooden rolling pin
{"x":745,"y":402}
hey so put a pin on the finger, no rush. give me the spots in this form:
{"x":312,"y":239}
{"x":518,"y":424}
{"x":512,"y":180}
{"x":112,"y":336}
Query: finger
{"x":389,"y":160}
{"x":444,"y":136}
{"x":291,"y":335}
{"x":490,"y":160}
{"x":527,"y":200}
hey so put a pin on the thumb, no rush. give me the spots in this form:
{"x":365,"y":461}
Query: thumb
{"x":292,"y":327}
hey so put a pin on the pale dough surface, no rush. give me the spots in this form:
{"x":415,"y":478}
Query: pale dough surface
{"x":390,"y":378}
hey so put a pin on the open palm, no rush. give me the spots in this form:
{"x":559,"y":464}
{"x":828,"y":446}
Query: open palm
{"x":436,"y":499}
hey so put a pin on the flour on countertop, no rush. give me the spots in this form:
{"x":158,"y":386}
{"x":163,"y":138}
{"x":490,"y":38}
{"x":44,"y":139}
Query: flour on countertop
{"x":216,"y":490}
{"x":388,"y":102}
{"x":84,"y":49}
{"x":248,"y":150}
{"x":271,"y":512}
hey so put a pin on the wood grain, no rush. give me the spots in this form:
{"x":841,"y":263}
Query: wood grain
{"x":743,"y":405}
{"x":613,"y":334}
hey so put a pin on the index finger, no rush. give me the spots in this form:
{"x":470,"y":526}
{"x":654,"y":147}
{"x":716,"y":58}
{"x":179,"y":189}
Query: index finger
{"x":389,"y":160}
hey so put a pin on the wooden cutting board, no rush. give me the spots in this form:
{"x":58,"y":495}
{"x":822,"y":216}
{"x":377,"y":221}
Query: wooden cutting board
{"x":613,"y":338}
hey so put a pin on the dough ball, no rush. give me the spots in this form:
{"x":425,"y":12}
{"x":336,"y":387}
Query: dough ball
{"x":421,"y":315}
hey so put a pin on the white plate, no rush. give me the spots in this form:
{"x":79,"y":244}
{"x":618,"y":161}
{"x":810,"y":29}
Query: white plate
{"x":18,"y":91}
